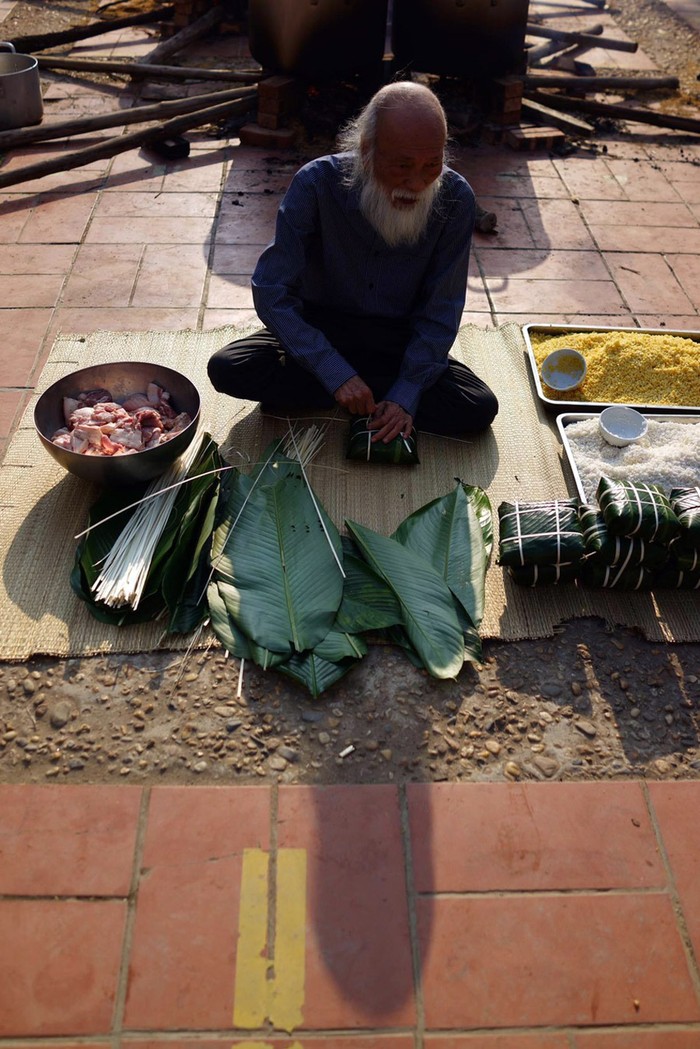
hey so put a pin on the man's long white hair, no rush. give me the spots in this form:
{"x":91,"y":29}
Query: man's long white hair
{"x":358,"y":140}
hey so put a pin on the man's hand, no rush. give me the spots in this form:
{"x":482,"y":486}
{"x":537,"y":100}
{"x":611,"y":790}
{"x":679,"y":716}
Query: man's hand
{"x":356,"y":396}
{"x":389,"y":420}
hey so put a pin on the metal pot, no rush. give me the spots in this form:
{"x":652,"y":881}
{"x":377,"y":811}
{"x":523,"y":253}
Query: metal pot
{"x":121,"y":379}
{"x":21,"y":103}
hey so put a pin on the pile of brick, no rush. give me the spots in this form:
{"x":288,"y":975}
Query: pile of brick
{"x":503,"y":124}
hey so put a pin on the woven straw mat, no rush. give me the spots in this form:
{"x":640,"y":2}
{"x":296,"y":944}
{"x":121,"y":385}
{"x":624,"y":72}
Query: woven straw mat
{"x":43,"y":507}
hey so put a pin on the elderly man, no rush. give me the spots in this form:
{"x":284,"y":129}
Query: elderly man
{"x":362,"y":289}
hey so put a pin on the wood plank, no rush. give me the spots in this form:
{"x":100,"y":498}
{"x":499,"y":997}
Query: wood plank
{"x":553,"y":118}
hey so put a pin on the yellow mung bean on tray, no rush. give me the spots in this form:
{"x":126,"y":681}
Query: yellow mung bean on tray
{"x":628,"y":367}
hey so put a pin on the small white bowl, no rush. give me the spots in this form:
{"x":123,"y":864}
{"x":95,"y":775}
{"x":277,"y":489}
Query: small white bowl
{"x":621,"y":425}
{"x":563,"y":369}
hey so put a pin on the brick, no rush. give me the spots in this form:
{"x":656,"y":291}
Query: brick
{"x":270,"y":121}
{"x":280,"y":91}
{"x":508,"y":87}
{"x":495,"y":133}
{"x":528,"y":138}
{"x":508,"y":118}
{"x":510,"y":114}
{"x":266,"y":138}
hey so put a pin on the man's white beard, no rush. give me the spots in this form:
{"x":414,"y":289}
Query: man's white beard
{"x":396,"y":225}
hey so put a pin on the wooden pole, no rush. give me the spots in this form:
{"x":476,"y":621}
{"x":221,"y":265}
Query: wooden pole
{"x":594,"y":83}
{"x":589,"y":39}
{"x":536,"y":55}
{"x":608,"y":109}
{"x":138,"y":114}
{"x":84,"y":32}
{"x":121,"y":144}
{"x":139,"y":69}
{"x":186,"y":36}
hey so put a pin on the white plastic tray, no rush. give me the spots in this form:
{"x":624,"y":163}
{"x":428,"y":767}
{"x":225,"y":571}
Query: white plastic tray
{"x":557,"y":405}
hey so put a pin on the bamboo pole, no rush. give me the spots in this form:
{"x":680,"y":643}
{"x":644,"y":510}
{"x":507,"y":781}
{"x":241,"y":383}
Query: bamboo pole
{"x":186,"y":36}
{"x":593,"y":83}
{"x":140,"y":69}
{"x":609,"y":109}
{"x":121,"y":144}
{"x":40,"y":41}
{"x":536,"y":55}
{"x":136,"y":115}
{"x":590,"y":39}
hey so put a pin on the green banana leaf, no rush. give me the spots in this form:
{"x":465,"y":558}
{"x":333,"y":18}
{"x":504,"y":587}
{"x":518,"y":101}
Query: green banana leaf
{"x":455,"y":533}
{"x":368,"y":603}
{"x":281,"y":564}
{"x":426,"y":602}
{"x":235,"y":643}
{"x":327,"y":663}
{"x":260,"y":655}
{"x":170,"y":579}
{"x":314,"y":673}
{"x":186,"y":571}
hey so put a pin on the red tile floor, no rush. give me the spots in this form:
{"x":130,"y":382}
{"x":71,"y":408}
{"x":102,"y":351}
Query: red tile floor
{"x":471,"y":916}
{"x":453,"y":916}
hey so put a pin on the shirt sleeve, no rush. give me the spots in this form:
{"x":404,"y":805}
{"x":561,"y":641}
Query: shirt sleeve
{"x":437,"y":311}
{"x":277,"y":281}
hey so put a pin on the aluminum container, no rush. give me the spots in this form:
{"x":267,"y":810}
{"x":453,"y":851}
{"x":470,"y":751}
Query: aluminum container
{"x":21,"y":102}
{"x":121,"y":379}
{"x":561,"y":405}
{"x":567,"y":418}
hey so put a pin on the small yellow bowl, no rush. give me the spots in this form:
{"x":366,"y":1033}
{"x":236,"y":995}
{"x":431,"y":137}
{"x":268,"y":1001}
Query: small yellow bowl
{"x":563,"y":369}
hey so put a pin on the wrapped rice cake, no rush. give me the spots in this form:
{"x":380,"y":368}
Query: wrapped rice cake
{"x":540,"y":533}
{"x":402,"y":451}
{"x":684,"y":555}
{"x":637,"y":509}
{"x":604,"y":548}
{"x":543,"y":575}
{"x":685,"y":503}
{"x":613,"y":577}
{"x":677,"y":579}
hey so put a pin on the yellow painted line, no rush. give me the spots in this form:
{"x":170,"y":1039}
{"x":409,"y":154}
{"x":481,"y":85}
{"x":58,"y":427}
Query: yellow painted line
{"x":264,"y":1045}
{"x":266,"y":988}
{"x":250,"y":991}
{"x":287,"y":1001}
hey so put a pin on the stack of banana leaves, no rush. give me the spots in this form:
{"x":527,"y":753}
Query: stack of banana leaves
{"x":285,"y":590}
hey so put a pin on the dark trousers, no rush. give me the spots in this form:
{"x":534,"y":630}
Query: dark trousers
{"x":257,"y":368}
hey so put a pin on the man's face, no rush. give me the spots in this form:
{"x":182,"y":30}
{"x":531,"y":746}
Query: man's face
{"x":408,"y":156}
{"x":402,"y":175}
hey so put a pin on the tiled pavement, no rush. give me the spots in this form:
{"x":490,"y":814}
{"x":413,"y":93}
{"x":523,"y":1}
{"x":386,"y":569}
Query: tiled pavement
{"x":472,"y":916}
{"x":450,"y":916}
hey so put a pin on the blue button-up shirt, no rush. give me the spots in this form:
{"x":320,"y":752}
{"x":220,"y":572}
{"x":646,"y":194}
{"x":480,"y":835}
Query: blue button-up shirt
{"x":326,"y":253}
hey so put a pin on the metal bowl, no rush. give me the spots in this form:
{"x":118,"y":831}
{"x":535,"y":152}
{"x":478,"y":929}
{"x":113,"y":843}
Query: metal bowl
{"x":121,"y":379}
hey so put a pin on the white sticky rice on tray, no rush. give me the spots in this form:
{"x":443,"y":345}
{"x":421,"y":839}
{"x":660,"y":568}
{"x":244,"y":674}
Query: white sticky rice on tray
{"x":669,"y":455}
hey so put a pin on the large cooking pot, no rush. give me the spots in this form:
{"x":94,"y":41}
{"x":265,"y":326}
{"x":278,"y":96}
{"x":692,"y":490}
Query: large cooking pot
{"x":21,"y":103}
{"x":317,"y":39}
{"x":478,"y":39}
